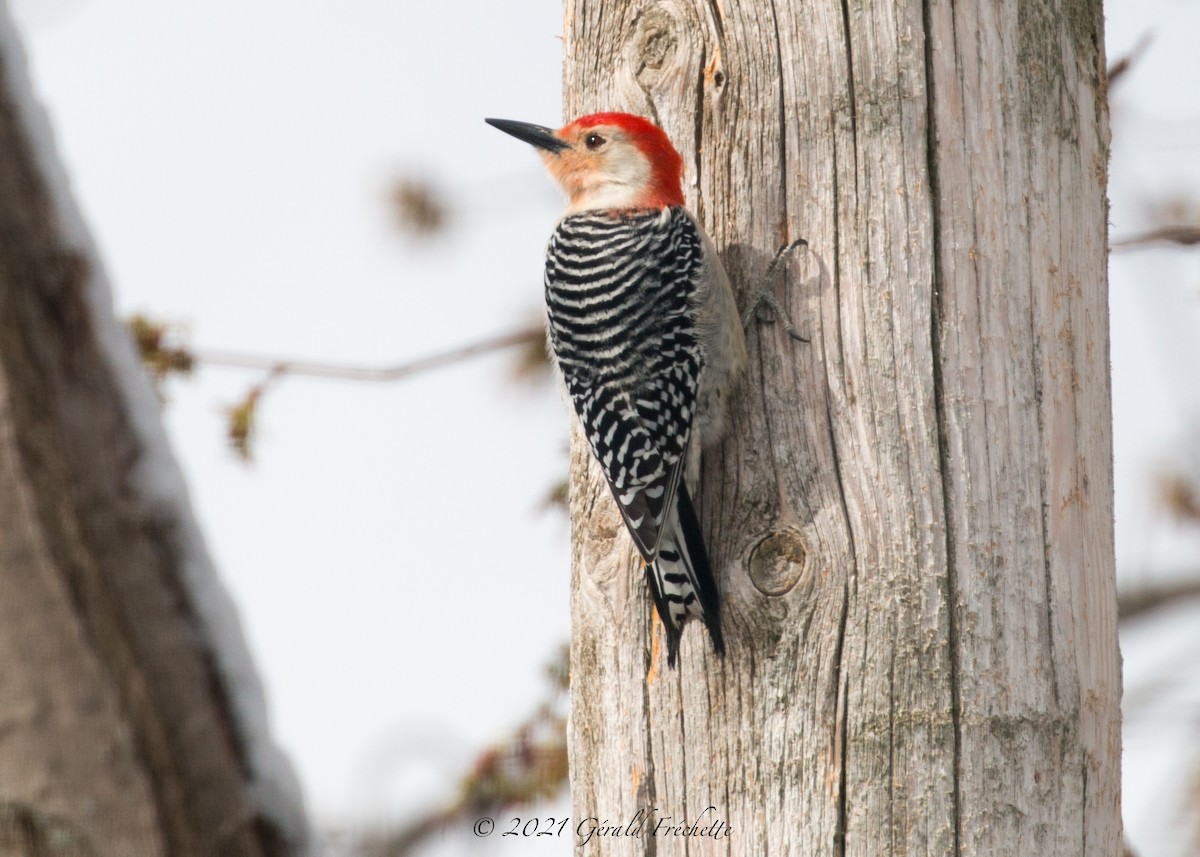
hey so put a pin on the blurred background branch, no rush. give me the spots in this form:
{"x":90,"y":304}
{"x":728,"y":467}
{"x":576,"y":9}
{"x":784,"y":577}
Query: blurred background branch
{"x":163,"y":355}
{"x":526,"y":768}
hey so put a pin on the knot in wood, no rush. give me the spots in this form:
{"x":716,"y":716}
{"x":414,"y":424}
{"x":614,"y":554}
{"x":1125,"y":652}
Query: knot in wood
{"x":778,"y":562}
{"x":656,"y":39}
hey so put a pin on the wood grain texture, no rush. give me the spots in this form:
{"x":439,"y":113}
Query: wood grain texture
{"x":912,"y":521}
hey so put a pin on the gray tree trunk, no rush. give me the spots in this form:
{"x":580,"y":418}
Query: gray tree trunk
{"x":117,"y":734}
{"x":912,"y":522}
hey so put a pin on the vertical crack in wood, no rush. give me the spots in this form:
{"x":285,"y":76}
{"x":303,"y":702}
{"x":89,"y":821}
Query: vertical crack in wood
{"x":718,"y":20}
{"x":840,"y":681}
{"x":651,"y":109}
{"x":851,"y":88}
{"x":840,"y":719}
{"x":840,"y":716}
{"x":683,"y":780}
{"x":647,"y":790}
{"x":762,"y":362}
{"x":698,"y":131}
{"x":835,"y":282}
{"x":939,"y":396}
{"x":891,"y":766}
{"x":717,"y":23}
{"x":1084,"y":802}
{"x":783,"y":168}
{"x":1043,"y":466}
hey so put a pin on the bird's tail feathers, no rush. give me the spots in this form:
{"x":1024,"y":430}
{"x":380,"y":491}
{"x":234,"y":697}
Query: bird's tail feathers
{"x":681,"y":578}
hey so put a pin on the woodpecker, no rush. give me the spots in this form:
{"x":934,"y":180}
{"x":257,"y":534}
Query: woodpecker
{"x":644,"y":326}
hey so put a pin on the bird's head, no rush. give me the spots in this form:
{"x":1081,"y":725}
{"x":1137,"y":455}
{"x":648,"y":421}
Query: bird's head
{"x":607,"y":161}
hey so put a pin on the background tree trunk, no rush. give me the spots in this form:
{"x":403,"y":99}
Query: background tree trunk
{"x":912,"y":524}
{"x":122,"y":732}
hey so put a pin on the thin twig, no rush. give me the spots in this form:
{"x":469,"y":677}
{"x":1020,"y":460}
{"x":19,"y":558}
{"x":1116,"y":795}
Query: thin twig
{"x":527,"y":767}
{"x":1183,"y":235}
{"x":403,"y":842}
{"x":1121,"y":66}
{"x":1150,"y":597}
{"x":280,"y":367}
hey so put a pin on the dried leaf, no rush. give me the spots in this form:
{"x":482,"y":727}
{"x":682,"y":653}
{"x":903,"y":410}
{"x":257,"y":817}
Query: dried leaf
{"x":158,"y":354}
{"x":242,"y":422}
{"x":420,"y":208}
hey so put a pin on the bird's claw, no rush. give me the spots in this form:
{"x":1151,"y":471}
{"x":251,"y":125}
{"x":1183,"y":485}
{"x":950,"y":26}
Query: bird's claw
{"x":769,"y":310}
{"x":786,"y":250}
{"x":765,"y":307}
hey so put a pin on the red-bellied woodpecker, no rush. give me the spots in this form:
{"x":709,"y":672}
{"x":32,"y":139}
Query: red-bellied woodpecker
{"x":646,"y":331}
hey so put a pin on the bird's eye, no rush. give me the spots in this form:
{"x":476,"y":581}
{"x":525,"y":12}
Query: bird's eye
{"x":594,"y":141}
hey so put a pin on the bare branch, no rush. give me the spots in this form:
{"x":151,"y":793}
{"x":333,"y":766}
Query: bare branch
{"x":243,"y":417}
{"x":1121,"y":66}
{"x":280,"y":367}
{"x":161,"y":357}
{"x":1146,"y":599}
{"x":528,"y":766}
{"x":1182,"y":235}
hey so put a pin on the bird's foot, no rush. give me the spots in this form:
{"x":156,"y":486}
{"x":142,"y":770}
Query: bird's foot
{"x":764,"y":306}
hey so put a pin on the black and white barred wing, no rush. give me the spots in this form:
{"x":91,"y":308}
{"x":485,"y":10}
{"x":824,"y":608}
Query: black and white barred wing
{"x":642,"y":474}
{"x":618,"y":295}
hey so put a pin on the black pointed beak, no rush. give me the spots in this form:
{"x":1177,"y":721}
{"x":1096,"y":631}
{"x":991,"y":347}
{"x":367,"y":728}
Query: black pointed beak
{"x":534,"y":135}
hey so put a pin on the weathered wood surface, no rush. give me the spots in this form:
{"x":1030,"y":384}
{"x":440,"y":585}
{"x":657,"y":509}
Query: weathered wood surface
{"x":117,"y":737}
{"x":912,"y":524}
